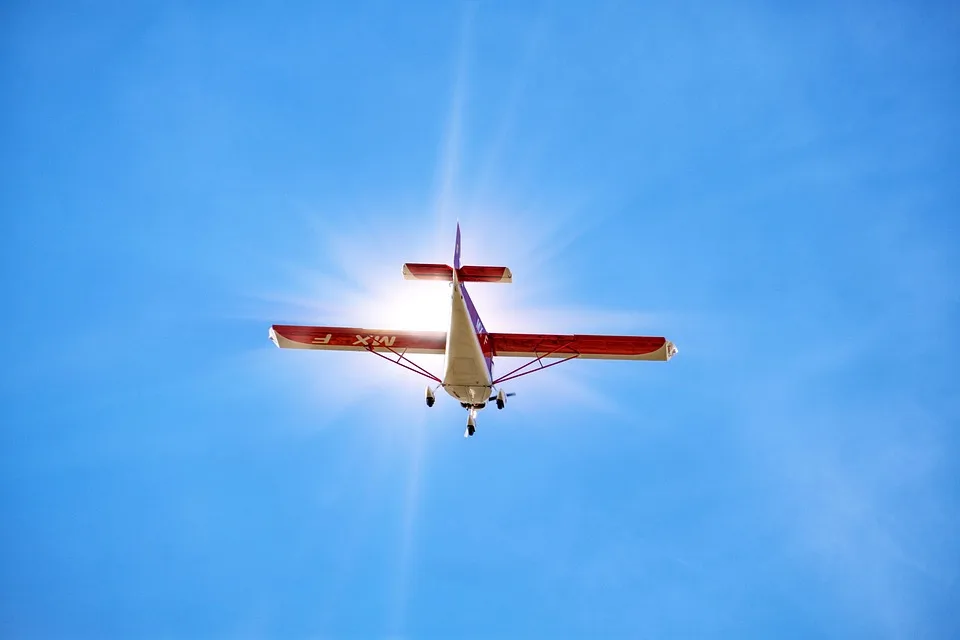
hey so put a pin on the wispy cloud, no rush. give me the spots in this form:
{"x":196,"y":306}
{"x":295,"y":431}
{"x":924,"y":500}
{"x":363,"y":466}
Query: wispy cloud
{"x":452,"y":143}
{"x":861,"y":481}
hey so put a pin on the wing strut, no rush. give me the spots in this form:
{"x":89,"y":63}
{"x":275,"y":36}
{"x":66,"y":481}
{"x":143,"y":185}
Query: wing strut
{"x":516,"y":373}
{"x":403,"y":361}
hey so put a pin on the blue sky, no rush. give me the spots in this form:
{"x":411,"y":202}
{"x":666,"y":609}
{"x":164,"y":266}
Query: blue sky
{"x":772,"y":187}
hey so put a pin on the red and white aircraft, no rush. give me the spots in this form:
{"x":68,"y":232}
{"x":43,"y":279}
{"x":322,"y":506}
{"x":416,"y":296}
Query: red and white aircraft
{"x":468,"y":346}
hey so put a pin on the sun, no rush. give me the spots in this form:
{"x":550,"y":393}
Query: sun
{"x":408,"y":306}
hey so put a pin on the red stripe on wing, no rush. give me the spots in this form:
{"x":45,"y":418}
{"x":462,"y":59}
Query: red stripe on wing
{"x":358,"y":339}
{"x":586,"y":346}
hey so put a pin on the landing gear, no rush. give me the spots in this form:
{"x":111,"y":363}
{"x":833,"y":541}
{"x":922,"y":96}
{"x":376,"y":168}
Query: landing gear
{"x":501,"y":398}
{"x":471,"y":423}
{"x":430,"y":397}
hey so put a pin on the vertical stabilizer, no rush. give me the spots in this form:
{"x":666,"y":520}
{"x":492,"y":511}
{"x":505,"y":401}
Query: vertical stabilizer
{"x":456,"y":250}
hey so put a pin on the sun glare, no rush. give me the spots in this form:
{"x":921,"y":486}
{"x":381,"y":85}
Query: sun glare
{"x":356,"y":280}
{"x":410,"y":306}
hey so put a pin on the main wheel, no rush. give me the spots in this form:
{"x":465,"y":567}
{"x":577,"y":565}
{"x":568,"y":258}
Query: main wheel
{"x":430,"y":401}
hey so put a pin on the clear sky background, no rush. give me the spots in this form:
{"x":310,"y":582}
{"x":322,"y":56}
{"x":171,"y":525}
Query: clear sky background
{"x":774,"y":188}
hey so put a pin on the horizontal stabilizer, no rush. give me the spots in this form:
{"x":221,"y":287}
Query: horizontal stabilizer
{"x":444,"y":272}
{"x":470,"y":273}
{"x":531,"y":345}
{"x":355,"y":339}
{"x":420,"y":271}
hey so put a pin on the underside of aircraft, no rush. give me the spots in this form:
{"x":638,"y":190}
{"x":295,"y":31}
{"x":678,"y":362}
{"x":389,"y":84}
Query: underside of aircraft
{"x":468,"y":348}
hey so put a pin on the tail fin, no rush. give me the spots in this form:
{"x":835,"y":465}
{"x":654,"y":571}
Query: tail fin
{"x":456,"y":250}
{"x":472,"y":273}
{"x":468,"y":273}
{"x":420,"y":271}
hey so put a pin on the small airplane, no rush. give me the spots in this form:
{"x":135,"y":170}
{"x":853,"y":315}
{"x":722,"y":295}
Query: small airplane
{"x":468,"y":347}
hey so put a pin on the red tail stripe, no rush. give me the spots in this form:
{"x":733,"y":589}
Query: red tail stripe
{"x":471,"y":273}
{"x":424,"y":271}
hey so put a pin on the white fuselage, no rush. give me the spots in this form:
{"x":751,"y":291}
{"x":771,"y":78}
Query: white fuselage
{"x":466,"y":376}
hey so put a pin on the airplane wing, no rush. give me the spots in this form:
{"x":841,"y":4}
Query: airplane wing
{"x":356,"y":339}
{"x":532,"y":345}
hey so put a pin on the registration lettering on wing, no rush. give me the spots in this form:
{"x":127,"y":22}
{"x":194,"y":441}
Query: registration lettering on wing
{"x":375,"y":341}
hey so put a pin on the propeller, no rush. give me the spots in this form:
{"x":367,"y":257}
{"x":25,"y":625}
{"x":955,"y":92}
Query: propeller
{"x":508,"y":395}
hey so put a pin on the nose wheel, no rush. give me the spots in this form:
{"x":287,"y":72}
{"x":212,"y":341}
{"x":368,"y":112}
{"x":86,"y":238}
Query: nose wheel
{"x":471,"y":423}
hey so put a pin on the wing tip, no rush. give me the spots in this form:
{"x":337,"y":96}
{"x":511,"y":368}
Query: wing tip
{"x":672,"y":349}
